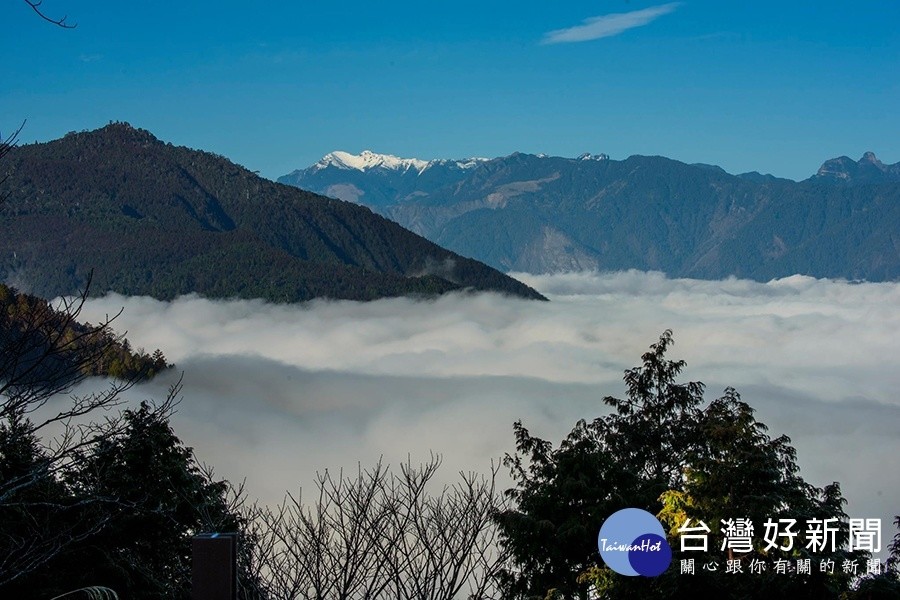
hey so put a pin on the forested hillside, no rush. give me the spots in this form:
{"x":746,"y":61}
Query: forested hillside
{"x":545,"y":214}
{"x":154,"y":219}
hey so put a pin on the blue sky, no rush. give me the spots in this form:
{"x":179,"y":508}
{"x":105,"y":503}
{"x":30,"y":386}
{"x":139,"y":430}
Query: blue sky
{"x":769,"y":86}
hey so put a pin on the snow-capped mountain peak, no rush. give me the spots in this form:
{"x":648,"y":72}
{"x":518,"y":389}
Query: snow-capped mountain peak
{"x":369,"y":160}
{"x":589,"y":156}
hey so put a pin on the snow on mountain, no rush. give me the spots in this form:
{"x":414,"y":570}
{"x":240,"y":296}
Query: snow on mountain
{"x":369,"y":160}
{"x":589,"y":156}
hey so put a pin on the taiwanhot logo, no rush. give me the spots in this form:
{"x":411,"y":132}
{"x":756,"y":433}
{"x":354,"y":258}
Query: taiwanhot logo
{"x":632,"y":542}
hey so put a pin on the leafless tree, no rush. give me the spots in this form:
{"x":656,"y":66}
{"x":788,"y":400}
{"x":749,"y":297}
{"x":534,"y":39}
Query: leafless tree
{"x":384,"y":535}
{"x":8,"y":143}
{"x":44,"y":354}
{"x":6,"y":146}
{"x":48,"y":525}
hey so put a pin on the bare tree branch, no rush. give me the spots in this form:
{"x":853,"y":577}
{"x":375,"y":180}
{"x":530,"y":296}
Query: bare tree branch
{"x":44,"y":354}
{"x":382,"y":534}
{"x":36,"y":7}
{"x":6,"y":146}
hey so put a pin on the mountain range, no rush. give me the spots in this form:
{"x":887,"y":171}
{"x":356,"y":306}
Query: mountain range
{"x":150,"y":218}
{"x":541,"y":214}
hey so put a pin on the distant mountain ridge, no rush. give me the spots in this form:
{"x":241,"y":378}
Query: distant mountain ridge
{"x":150,"y":218}
{"x":386,"y":178}
{"x":542,"y":214}
{"x":867,"y":169}
{"x":370,"y":160}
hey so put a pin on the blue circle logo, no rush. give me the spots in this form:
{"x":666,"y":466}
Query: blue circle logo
{"x":632,"y":542}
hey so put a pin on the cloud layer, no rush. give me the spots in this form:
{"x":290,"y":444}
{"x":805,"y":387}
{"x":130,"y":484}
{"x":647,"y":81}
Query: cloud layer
{"x":608,"y":25}
{"x":275,"y":393}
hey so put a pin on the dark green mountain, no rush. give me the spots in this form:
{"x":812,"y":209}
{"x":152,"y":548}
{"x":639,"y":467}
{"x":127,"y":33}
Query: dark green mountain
{"x":154,"y":219}
{"x":549,"y":214}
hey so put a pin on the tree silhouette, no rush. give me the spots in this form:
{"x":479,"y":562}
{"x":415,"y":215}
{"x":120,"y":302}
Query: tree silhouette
{"x":381,"y":534}
{"x":662,"y":451}
{"x":47,"y":433}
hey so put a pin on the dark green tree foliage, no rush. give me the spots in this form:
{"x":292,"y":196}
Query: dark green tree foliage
{"x":560,"y":495}
{"x":41,"y":341}
{"x":620,"y":460}
{"x":145,"y":552}
{"x":151,"y":497}
{"x":738,"y":469}
{"x":654,"y":428}
{"x":662,"y":450}
{"x":90,"y":494}
{"x":38,"y":515}
{"x":886,"y":585}
{"x":44,"y":352}
{"x":894,"y":562}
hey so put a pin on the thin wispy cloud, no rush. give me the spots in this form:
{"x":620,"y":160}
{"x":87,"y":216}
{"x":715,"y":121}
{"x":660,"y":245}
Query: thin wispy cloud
{"x":608,"y":25}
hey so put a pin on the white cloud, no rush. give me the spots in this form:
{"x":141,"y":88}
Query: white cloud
{"x":608,"y":25}
{"x":274,"y":393}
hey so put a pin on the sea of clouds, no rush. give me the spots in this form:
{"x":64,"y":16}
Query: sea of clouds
{"x":274,"y":393}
